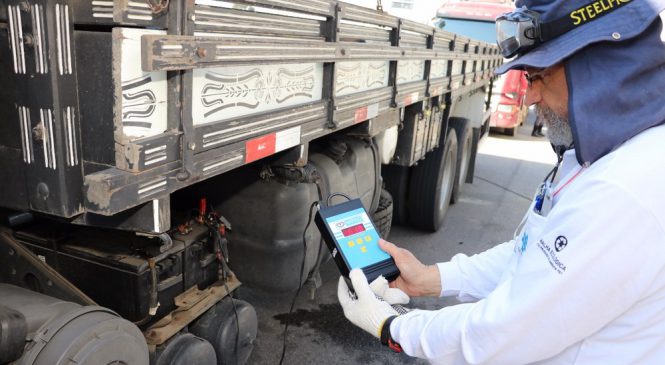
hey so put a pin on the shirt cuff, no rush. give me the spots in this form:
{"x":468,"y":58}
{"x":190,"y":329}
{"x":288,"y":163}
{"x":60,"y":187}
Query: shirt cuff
{"x":451,"y":279}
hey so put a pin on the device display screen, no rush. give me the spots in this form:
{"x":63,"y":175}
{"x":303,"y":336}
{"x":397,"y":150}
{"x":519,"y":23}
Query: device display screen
{"x":357,"y":238}
{"x":353,"y":230}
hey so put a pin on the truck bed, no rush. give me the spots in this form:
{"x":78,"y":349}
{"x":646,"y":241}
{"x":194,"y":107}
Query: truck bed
{"x":116,"y":106}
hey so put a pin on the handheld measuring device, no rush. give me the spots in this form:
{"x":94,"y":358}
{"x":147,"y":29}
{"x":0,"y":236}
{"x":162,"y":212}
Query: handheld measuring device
{"x":353,"y":240}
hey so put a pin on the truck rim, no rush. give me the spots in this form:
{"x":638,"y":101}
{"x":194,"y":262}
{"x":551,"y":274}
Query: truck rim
{"x":447,"y":180}
{"x":465,"y":159}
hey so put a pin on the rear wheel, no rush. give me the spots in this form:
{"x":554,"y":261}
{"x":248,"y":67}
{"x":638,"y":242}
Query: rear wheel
{"x":464,"y":150}
{"x":383,"y":215}
{"x":431,"y":185}
{"x":396,"y":180}
{"x":477,"y":134}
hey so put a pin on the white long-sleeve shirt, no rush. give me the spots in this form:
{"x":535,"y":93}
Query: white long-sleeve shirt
{"x":585,"y":286}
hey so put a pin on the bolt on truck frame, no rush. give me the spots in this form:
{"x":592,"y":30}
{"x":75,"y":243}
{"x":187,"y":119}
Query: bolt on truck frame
{"x":157,"y":153}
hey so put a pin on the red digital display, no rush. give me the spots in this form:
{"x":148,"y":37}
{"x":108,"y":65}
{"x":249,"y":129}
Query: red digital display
{"x":353,"y":230}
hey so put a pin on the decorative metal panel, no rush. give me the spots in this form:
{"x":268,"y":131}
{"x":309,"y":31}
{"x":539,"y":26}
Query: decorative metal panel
{"x":71,"y":138}
{"x":353,"y":77}
{"x":63,"y":39}
{"x":152,"y":188}
{"x":219,"y":164}
{"x":102,"y":9}
{"x":138,"y":11}
{"x":143,"y":95}
{"x":155,"y":154}
{"x":438,"y":69}
{"x":48,"y":139}
{"x":242,"y":20}
{"x":26,"y":134}
{"x":457,"y":67}
{"x":39,"y":36}
{"x":123,"y":11}
{"x":410,"y":70}
{"x":230,"y":92}
{"x":16,"y":39}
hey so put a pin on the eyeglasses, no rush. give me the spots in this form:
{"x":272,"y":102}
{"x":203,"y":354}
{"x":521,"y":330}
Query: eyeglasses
{"x":531,"y":77}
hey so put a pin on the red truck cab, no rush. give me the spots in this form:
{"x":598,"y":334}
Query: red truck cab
{"x":508,"y":108}
{"x":475,"y":19}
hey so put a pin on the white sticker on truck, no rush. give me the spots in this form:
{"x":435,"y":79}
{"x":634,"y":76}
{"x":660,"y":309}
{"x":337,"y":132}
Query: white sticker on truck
{"x":287,"y":138}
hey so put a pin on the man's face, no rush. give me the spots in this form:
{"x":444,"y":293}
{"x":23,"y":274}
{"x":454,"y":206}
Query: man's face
{"x":558,"y":128}
{"x":548,"y":90}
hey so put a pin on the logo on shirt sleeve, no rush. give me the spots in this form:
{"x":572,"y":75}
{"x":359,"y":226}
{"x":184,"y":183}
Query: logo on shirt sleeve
{"x":560,"y":243}
{"x":551,"y":253}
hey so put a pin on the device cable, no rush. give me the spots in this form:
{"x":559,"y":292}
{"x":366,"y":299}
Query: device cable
{"x":302,"y":269}
{"x":226,"y":273}
{"x":217,"y":229}
{"x":334,"y":195}
{"x":235,"y":312}
{"x":317,"y":265}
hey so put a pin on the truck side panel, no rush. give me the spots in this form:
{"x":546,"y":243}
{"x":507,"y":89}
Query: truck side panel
{"x":138,"y":113}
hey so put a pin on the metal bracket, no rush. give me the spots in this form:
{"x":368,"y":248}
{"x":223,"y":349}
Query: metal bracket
{"x":22,"y":267}
{"x":191,"y":305}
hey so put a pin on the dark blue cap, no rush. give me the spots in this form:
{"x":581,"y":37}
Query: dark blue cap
{"x":615,"y":70}
{"x":626,"y":22}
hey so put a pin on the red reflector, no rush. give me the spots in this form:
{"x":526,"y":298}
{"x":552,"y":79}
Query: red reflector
{"x":361,"y":114}
{"x":259,"y":148}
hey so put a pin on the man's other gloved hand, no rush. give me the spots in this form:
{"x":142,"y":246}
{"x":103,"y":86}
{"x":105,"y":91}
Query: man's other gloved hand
{"x":381,"y":288}
{"x":415,"y":279}
{"x":365,"y":311}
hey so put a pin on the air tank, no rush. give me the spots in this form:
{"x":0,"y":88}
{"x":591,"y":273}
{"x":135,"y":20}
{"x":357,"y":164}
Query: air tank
{"x":269,"y":215}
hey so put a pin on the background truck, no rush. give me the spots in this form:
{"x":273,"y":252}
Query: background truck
{"x":157,"y":153}
{"x":475,"y":19}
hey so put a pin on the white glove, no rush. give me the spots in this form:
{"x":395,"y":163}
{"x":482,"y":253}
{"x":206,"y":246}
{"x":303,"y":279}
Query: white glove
{"x":365,"y":311}
{"x":391,"y":295}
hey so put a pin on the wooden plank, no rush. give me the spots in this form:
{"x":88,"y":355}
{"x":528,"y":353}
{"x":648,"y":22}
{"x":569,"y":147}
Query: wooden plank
{"x":211,"y":19}
{"x":191,"y":305}
{"x":315,"y":7}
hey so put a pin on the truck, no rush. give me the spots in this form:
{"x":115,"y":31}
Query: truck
{"x":157,"y":154}
{"x":475,"y":19}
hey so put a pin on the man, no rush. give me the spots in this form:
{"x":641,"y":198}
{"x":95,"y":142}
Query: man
{"x":583,"y":281}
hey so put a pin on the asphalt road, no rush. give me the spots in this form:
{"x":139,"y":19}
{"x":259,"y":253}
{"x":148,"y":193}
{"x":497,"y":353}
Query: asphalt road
{"x":508,"y":170}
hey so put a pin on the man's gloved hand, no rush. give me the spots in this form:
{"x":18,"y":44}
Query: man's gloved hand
{"x":415,"y":279}
{"x":391,"y":295}
{"x":365,"y":311}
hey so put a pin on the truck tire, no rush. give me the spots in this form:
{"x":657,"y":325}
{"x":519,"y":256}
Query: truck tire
{"x":383,"y":215}
{"x":464,"y":150}
{"x":396,"y":180}
{"x":477,"y":134}
{"x":431,"y":185}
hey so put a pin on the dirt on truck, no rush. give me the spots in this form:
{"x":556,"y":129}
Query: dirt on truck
{"x":157,"y":155}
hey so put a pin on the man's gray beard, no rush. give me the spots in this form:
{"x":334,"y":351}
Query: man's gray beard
{"x":558,"y":128}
